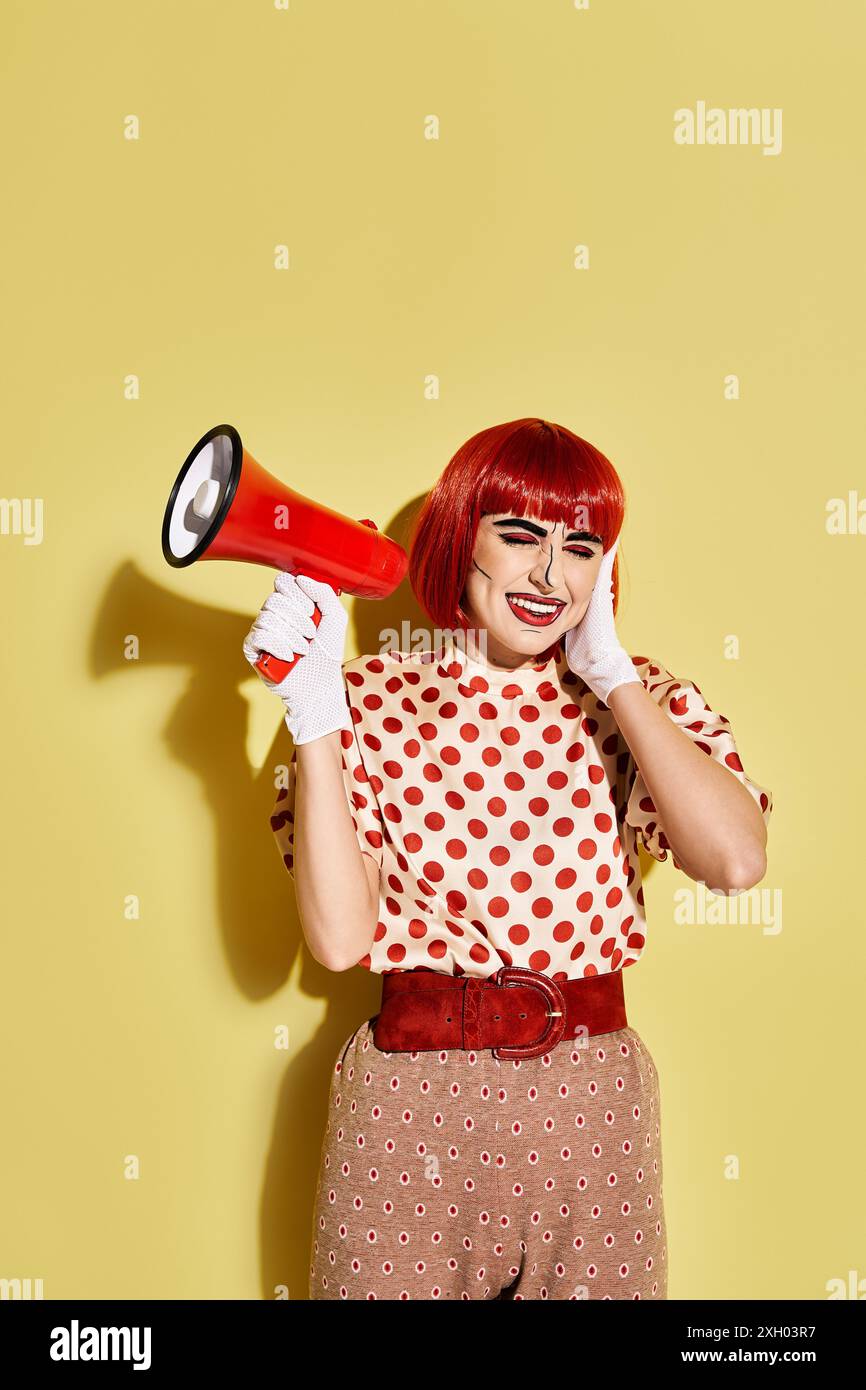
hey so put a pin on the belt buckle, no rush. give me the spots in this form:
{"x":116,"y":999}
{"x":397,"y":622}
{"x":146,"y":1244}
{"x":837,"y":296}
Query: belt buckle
{"x":556,"y":1010}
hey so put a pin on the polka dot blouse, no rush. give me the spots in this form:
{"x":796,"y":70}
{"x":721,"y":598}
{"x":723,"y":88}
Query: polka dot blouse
{"x":504,"y":811}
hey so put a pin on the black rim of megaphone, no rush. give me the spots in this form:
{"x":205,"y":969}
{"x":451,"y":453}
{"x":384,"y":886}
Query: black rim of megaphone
{"x":180,"y":561}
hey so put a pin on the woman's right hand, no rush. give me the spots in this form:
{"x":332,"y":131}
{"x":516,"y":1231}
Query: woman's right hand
{"x":313,"y":692}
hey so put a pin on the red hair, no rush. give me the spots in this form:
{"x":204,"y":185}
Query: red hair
{"x":525,"y":467}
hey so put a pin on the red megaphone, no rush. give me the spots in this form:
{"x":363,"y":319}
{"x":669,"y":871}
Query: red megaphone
{"x":225,"y":506}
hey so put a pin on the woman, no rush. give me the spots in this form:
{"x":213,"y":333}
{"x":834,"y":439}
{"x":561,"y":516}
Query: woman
{"x":465,"y":821}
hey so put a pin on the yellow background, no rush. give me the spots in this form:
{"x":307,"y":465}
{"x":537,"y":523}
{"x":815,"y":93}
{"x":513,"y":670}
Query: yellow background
{"x":410,"y":258}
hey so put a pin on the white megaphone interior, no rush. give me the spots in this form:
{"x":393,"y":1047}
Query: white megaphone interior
{"x":199,"y":495}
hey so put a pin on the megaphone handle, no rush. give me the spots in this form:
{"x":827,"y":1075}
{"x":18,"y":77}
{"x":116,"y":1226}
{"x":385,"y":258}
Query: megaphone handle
{"x":275,"y":670}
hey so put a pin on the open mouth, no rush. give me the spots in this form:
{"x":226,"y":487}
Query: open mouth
{"x":535,"y":611}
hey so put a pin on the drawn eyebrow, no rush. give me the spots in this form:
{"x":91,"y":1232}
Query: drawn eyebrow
{"x":540,"y":531}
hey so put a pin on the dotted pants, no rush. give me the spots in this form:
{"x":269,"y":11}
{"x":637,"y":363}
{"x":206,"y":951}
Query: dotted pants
{"x":458,"y":1176}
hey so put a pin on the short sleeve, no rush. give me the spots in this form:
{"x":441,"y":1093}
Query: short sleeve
{"x":684,"y":703}
{"x":366,"y":817}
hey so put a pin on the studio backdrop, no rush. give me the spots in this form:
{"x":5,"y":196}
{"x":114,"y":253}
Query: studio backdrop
{"x":358,"y":235}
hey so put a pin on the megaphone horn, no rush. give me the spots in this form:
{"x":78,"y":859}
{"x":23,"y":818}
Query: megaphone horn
{"x":226,"y":506}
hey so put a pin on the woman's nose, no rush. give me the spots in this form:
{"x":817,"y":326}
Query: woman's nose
{"x":547,"y":571}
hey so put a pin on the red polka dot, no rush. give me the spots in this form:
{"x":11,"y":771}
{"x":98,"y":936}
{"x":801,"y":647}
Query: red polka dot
{"x":405,"y":767}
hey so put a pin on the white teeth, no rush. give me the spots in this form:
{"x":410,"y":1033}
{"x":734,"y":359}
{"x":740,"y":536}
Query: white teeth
{"x":542,"y":608}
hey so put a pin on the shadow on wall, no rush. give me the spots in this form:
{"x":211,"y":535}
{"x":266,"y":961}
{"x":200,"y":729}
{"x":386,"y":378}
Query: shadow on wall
{"x":258,"y":919}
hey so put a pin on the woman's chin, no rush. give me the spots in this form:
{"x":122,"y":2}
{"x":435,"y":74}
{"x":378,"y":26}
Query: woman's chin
{"x":523,"y":639}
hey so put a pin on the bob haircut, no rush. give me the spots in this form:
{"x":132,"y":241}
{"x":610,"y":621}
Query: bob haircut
{"x":526,"y":467}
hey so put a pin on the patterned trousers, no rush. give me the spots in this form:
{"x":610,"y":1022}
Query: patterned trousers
{"x":455,"y":1175}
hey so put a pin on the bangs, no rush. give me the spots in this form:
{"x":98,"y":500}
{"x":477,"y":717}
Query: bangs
{"x":554,"y":476}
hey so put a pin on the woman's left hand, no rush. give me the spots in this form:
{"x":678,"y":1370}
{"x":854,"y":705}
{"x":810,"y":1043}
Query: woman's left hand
{"x":592,"y":648}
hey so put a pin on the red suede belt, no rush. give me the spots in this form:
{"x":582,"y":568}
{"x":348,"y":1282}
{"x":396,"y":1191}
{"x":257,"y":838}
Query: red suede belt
{"x":517,"y":1012}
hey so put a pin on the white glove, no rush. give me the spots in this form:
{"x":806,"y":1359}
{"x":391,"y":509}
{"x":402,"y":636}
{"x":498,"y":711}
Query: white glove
{"x":313,"y":692}
{"x":592,"y":648}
